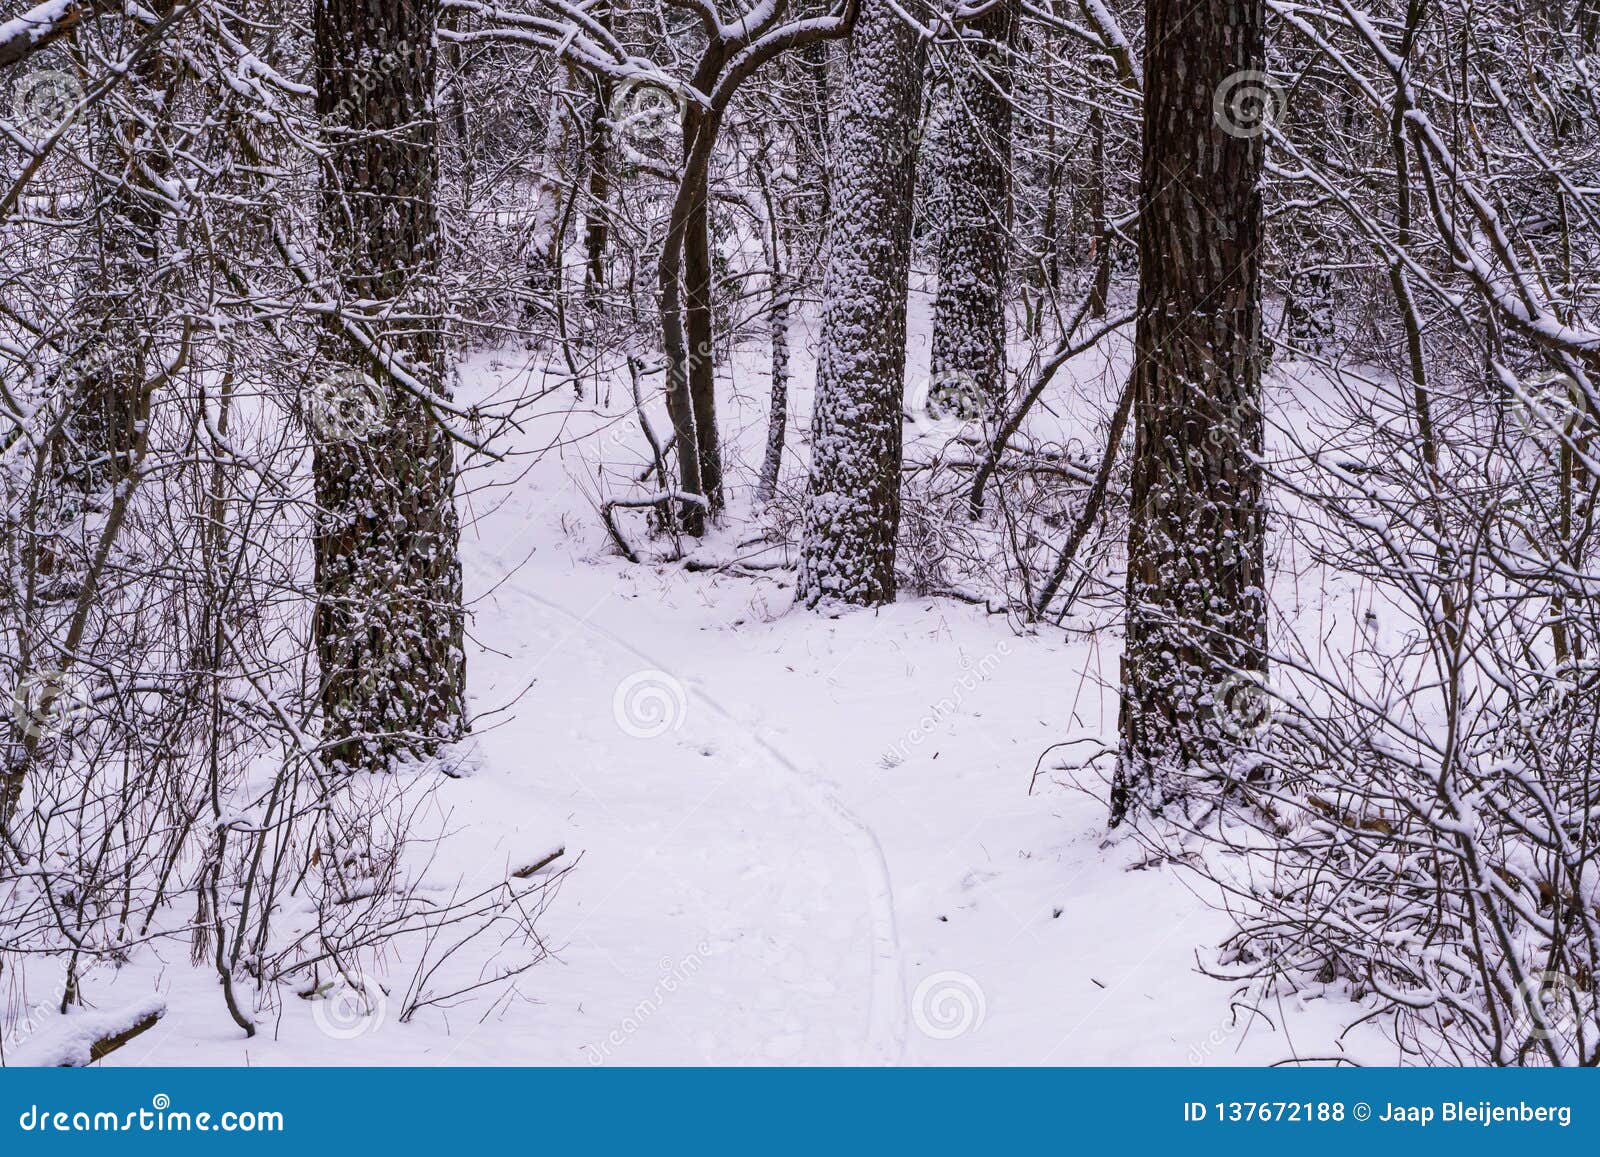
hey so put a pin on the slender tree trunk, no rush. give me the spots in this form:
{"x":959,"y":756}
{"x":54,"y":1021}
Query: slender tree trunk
{"x":545,"y":241}
{"x":852,"y":509}
{"x":597,"y":227}
{"x":683,"y":277}
{"x":1100,"y":293}
{"x":815,"y":172}
{"x":973,"y":186}
{"x":778,"y":402}
{"x":388,"y":574}
{"x":779,"y":244}
{"x":697,"y":280}
{"x":1195,"y":604}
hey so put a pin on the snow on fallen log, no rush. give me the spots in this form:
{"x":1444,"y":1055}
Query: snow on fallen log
{"x":539,"y":864}
{"x":83,"y":1036}
{"x":40,"y":26}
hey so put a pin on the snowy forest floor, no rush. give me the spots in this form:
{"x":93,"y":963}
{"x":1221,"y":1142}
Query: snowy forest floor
{"x":796,"y":839}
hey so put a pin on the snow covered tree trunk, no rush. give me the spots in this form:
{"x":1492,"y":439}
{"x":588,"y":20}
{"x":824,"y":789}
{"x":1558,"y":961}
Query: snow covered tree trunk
{"x":778,"y":403}
{"x":388,"y":576}
{"x":1195,"y":604}
{"x":780,"y":243}
{"x":544,"y":230}
{"x":685,"y":333}
{"x":973,"y":183}
{"x":852,"y":508}
{"x":684,"y":280}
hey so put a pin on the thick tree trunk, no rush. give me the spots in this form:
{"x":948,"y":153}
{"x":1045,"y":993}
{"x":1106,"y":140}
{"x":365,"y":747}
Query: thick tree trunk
{"x":852,"y":509}
{"x":973,"y":184}
{"x":1195,"y":603}
{"x":388,"y":575}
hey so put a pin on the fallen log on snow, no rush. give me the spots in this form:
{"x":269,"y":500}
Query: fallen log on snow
{"x":83,"y":1036}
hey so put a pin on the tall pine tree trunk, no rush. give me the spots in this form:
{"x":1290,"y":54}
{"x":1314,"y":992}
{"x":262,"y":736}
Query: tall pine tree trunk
{"x":852,"y":508}
{"x":973,"y":183}
{"x":1195,"y":605}
{"x":388,"y":576}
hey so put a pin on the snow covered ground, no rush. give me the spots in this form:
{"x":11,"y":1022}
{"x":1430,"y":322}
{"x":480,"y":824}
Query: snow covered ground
{"x":796,"y":839}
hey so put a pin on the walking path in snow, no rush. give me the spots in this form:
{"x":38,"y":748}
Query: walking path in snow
{"x":794,"y":918}
{"x":793,"y":838}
